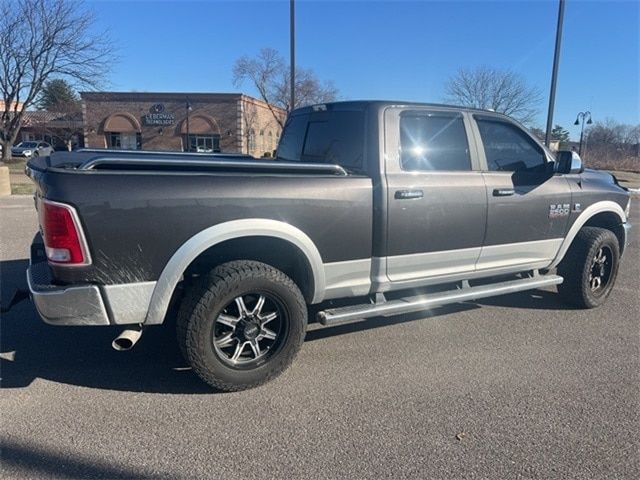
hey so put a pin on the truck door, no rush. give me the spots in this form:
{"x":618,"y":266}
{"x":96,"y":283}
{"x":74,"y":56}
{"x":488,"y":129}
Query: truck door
{"x":528,"y":205}
{"x":436,"y":199}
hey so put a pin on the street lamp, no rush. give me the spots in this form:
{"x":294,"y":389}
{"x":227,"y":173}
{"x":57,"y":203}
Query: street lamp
{"x":582,"y":116}
{"x":188,"y":108}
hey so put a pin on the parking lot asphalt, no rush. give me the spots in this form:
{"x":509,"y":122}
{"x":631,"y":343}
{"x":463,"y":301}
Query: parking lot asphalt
{"x":518,"y":386}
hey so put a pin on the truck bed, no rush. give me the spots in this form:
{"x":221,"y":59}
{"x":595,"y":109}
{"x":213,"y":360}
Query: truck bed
{"x":138,"y":208}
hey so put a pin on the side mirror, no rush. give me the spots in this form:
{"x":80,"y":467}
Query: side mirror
{"x":568,"y":162}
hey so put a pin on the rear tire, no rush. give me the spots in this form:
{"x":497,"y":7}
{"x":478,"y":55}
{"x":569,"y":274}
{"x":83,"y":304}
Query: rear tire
{"x":241,"y":325}
{"x":589,"y":268}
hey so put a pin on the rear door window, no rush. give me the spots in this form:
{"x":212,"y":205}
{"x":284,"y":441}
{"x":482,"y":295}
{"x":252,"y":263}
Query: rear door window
{"x":433,"y":141}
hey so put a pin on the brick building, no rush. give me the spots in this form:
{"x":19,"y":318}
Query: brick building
{"x":197,"y":122}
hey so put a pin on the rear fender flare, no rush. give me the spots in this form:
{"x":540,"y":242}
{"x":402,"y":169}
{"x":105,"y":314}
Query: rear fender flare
{"x":249,"y":227}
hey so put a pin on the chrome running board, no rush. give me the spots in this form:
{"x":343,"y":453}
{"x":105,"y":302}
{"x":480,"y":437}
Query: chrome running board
{"x":351,"y":313}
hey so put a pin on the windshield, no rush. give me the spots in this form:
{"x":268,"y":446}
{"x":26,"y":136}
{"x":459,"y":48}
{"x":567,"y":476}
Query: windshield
{"x":28,"y":145}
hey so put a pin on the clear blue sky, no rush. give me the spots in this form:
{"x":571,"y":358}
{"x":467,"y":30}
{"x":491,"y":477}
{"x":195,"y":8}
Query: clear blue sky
{"x":387,"y":49}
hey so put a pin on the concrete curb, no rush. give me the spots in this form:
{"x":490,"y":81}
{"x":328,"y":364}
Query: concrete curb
{"x":5,"y":181}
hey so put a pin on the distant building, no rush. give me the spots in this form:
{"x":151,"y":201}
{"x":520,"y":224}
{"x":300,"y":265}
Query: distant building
{"x":60,"y":129}
{"x":197,"y":122}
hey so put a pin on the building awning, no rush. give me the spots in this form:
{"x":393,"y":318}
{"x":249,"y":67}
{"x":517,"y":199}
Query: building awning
{"x":122,"y":123}
{"x":200,"y":124}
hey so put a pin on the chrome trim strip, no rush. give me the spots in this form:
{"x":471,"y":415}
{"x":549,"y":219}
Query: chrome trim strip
{"x":128,"y":303}
{"x":248,"y":227}
{"x":351,"y":278}
{"x":78,"y":226}
{"x":587,"y":213}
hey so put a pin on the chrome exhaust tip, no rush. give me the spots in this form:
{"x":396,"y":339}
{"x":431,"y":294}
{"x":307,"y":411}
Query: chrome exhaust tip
{"x":127,"y":339}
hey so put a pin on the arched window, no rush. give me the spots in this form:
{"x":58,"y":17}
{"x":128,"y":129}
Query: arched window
{"x":202,"y":134}
{"x":122,"y":131}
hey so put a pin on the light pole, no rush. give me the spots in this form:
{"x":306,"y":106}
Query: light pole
{"x":580,"y":119}
{"x":554,"y":74}
{"x":188,"y":108}
{"x":292,"y":51}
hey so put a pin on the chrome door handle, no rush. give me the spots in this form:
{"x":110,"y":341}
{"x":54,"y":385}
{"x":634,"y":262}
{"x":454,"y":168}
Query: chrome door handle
{"x":503,"y":192}
{"x":408,"y":194}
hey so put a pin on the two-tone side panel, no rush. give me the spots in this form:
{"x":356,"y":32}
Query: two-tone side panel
{"x":528,"y":204}
{"x":436,"y":196}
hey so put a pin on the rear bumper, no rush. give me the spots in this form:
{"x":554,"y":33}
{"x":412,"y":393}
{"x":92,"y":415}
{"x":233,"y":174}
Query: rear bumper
{"x":61,"y":305}
{"x":84,"y":304}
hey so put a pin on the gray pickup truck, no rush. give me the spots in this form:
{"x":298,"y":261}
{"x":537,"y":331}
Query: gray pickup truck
{"x":369,"y":209}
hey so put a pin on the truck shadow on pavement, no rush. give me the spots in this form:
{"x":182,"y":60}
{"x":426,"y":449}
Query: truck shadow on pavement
{"x":39,"y":461}
{"x":31,"y":349}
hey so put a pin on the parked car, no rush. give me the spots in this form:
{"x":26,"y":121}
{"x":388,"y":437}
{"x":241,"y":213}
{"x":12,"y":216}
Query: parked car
{"x":387,"y":207}
{"x":32,"y":149}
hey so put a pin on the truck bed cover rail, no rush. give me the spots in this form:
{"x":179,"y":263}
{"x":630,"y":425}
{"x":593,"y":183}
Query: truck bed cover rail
{"x":176,"y":161}
{"x":104,"y":163}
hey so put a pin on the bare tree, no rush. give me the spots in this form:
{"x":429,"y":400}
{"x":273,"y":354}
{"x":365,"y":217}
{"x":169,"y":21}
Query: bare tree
{"x":612,"y":145}
{"x":538,"y":133}
{"x":41,"y":39}
{"x":64,"y":122}
{"x":488,"y":88}
{"x":611,"y":132}
{"x":269,"y":75}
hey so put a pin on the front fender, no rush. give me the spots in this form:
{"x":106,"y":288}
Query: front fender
{"x":585,"y":216}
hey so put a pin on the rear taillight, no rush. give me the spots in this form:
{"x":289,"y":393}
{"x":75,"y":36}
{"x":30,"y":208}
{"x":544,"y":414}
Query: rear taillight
{"x":62,"y":234}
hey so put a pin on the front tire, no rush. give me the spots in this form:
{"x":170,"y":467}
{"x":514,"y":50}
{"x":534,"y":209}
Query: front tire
{"x":241,"y":325}
{"x":589,"y":268}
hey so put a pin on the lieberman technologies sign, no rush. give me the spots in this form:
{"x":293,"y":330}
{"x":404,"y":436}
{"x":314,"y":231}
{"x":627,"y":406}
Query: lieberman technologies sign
{"x":157,"y":116}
